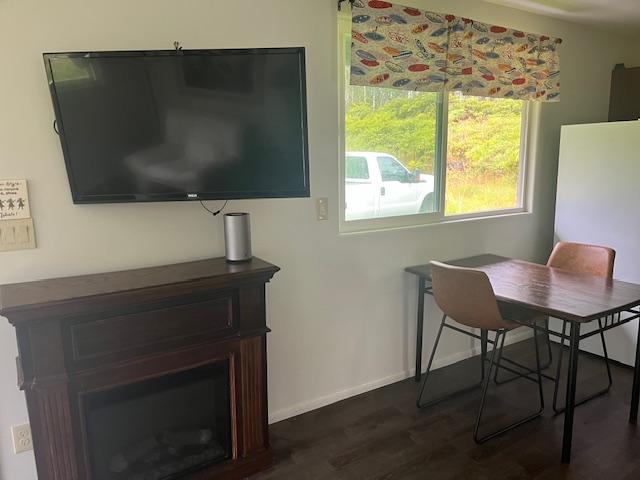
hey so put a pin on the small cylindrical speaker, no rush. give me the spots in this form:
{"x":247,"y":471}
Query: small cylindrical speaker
{"x":237,"y":237}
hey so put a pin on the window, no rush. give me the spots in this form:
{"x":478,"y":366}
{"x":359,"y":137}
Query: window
{"x":484,"y":139}
{"x":356,"y":168}
{"x":391,"y":170}
{"x":426,"y":156}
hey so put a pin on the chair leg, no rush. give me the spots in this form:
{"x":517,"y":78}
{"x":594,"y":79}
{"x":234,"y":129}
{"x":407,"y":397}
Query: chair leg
{"x":523,"y":367}
{"x":549,"y":350}
{"x":560,"y":409}
{"x":556,"y":383}
{"x":606,"y":356}
{"x":485,"y":388}
{"x":498,"y":365}
{"x":484,"y":336}
{"x":426,"y":375}
{"x":539,"y":370}
{"x":524,"y":372}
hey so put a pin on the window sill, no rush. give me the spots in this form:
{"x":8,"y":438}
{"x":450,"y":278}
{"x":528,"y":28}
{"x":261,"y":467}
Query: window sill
{"x":400,"y":223}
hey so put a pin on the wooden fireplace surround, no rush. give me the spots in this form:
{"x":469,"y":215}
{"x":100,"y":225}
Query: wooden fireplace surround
{"x":79,"y":335}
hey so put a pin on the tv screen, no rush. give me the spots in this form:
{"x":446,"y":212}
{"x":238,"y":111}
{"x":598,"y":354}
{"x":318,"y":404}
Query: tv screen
{"x":182,"y":125}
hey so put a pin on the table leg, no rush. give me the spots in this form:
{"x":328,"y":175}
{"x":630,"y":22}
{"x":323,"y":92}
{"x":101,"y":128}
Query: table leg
{"x":635,"y":393}
{"x":419,"y":328}
{"x":484,"y":337}
{"x":570,"y":401}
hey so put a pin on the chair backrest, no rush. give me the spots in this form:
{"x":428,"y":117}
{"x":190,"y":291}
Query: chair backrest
{"x":466,"y":295}
{"x":583,"y":258}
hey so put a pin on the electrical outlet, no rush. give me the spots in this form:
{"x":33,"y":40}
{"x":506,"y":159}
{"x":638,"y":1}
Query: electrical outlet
{"x":21,"y":435}
{"x":322,"y":208}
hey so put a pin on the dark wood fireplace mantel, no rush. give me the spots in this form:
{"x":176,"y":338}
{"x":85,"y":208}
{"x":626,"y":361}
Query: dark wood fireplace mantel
{"x":81,"y":335}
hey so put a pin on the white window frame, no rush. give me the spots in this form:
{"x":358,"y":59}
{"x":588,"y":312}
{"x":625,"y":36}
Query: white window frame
{"x":529,"y":120}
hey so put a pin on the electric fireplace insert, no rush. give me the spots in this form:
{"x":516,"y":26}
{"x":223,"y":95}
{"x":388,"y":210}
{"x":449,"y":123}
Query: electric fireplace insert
{"x":161,"y":428}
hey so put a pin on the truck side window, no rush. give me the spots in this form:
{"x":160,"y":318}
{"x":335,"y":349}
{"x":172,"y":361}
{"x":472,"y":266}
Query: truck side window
{"x":391,"y":170}
{"x":357,"y":168}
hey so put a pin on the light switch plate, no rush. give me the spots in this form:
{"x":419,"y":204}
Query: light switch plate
{"x":17,"y":234}
{"x":21,"y":436}
{"x":322,"y":208}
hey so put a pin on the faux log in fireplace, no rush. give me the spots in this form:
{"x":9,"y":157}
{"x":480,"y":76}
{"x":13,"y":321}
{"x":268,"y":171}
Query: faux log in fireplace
{"x":149,"y":374}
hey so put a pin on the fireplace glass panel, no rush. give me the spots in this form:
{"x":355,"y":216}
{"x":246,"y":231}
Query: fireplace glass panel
{"x":162,"y":428}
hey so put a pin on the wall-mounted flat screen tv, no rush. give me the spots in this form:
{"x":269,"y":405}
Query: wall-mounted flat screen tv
{"x":182,"y":125}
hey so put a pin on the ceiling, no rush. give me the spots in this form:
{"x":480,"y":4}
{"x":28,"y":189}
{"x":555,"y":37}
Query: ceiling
{"x":620,"y":15}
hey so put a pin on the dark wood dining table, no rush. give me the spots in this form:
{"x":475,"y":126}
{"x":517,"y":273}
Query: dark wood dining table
{"x":576,"y":298}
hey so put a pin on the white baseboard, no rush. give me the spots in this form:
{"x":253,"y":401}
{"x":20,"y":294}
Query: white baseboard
{"x":325,"y":400}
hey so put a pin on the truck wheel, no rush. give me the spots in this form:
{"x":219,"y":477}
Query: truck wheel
{"x":427,"y":204}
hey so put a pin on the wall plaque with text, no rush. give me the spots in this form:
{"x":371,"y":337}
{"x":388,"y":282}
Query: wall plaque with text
{"x":14,"y":200}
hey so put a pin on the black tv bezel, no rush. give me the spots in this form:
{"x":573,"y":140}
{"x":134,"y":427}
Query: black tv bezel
{"x":186,"y":196}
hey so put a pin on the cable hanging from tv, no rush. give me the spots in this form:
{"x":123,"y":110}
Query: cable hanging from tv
{"x":217,"y":212}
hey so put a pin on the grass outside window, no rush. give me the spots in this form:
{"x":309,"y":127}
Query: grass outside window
{"x":463,"y":155}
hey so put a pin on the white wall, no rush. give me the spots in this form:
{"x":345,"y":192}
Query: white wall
{"x":341,"y":310}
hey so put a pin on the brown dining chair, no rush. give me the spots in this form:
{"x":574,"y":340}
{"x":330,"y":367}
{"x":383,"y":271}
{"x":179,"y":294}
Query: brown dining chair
{"x":466,"y":296}
{"x":590,"y":260}
{"x":583,"y":258}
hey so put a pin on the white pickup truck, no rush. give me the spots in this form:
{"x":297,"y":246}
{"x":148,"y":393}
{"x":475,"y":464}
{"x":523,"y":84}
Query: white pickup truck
{"x":378,"y":185}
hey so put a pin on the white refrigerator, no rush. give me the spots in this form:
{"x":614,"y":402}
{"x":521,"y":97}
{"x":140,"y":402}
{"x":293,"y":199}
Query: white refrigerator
{"x":598,"y":202}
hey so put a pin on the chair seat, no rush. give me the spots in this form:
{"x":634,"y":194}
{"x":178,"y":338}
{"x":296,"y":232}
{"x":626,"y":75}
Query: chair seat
{"x":519,"y":316}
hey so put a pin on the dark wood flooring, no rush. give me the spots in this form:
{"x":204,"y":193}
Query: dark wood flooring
{"x":382,"y":435}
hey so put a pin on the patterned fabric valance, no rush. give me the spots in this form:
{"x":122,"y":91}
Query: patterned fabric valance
{"x":394,"y":46}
